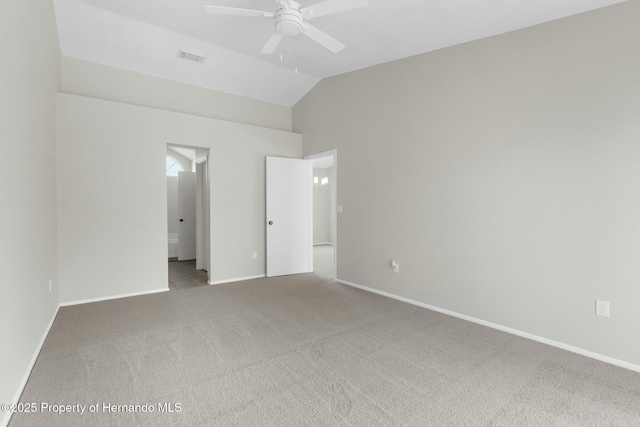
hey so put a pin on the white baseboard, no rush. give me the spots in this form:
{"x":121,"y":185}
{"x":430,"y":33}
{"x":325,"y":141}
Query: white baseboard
{"x":502,"y":328}
{"x":325,"y":243}
{"x":237,"y":279}
{"x":133,"y":294}
{"x":7,"y":415}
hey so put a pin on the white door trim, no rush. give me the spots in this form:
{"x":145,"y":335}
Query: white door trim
{"x":199,"y":215}
{"x":333,"y":153}
{"x":206,"y":202}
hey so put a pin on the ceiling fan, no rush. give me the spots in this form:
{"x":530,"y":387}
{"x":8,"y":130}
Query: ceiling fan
{"x":291,"y":20}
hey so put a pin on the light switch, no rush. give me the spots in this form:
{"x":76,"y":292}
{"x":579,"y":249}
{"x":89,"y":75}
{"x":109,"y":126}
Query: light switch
{"x":339,"y":208}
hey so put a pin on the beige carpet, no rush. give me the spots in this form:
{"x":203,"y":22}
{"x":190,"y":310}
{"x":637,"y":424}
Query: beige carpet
{"x":302,"y":350}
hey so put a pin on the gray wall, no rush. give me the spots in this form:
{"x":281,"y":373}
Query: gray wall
{"x":107,"y":218}
{"x":29,"y":79}
{"x":502,"y":174}
{"x":85,"y":78}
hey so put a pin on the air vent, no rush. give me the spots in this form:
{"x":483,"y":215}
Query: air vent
{"x":191,"y":56}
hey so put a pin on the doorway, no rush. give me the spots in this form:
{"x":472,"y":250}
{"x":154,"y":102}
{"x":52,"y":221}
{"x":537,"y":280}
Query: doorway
{"x":187,"y":216}
{"x":324,"y":213}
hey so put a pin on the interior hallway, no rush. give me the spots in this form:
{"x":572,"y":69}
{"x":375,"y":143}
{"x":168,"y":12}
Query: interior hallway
{"x":323,"y":260}
{"x":183,"y":275}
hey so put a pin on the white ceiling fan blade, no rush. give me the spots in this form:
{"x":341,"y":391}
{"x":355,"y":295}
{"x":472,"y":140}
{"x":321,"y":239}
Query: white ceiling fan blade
{"x":221,"y":10}
{"x":322,"y":38}
{"x":330,"y":7}
{"x":271,"y":44}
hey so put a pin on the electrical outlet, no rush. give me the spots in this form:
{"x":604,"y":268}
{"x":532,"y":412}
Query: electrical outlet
{"x":395,"y":266}
{"x":602,"y":308}
{"x":255,"y":255}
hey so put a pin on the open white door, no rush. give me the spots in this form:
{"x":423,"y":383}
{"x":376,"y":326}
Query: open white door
{"x":186,"y":216}
{"x":289,"y":216}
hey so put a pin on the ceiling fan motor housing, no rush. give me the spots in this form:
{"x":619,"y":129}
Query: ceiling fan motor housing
{"x":289,"y":20}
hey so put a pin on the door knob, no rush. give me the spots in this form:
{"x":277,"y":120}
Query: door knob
{"x":270,"y":222}
{"x":181,"y":220}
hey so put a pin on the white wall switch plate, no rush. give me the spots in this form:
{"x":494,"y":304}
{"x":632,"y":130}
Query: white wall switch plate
{"x":255,"y":255}
{"x":340,"y":210}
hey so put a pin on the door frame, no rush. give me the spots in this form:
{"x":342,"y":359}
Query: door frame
{"x":202,"y":213}
{"x":334,"y":153}
{"x":206,"y":205}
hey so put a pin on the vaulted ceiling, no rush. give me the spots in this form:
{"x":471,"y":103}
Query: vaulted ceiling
{"x":146,"y":35}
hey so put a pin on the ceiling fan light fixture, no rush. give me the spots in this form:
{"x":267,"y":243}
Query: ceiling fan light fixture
{"x":289,"y":27}
{"x":289,"y":20}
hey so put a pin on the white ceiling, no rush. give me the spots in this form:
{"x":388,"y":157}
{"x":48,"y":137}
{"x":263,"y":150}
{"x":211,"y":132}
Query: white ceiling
{"x":145,"y":35}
